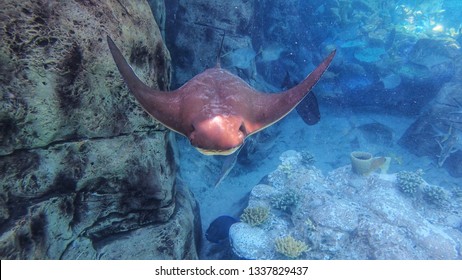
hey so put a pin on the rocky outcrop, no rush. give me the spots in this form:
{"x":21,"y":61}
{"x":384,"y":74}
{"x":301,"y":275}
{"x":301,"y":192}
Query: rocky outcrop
{"x":437,"y":131}
{"x":85,"y":172}
{"x":159,"y":11}
{"x":194,"y":35}
{"x":346,"y":216}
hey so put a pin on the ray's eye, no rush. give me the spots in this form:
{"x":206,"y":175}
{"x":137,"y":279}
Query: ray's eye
{"x":242,"y":129}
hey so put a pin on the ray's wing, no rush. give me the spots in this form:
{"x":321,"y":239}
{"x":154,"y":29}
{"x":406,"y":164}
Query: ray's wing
{"x":162,"y":105}
{"x":270,"y":108}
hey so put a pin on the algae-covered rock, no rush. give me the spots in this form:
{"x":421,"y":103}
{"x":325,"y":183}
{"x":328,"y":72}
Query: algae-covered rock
{"x":437,"y":130}
{"x":83,"y":167}
{"x":159,"y":11}
{"x":250,"y":242}
{"x":343,"y":216}
{"x":60,"y":82}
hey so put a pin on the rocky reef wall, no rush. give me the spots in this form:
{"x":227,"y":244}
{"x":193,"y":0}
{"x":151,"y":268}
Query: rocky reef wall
{"x":85,"y":172}
{"x":343,"y":215}
{"x":195,"y":30}
{"x":159,"y":11}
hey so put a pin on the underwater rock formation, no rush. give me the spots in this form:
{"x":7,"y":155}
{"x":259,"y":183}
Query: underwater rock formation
{"x":194,"y":36}
{"x":437,"y":132}
{"x":159,"y":11}
{"x":347,"y":216}
{"x":85,"y":172}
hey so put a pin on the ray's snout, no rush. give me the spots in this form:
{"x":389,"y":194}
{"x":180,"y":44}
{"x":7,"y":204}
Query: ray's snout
{"x":218,"y":135}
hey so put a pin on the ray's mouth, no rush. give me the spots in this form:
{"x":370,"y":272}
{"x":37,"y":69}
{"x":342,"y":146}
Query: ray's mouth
{"x":218,"y":152}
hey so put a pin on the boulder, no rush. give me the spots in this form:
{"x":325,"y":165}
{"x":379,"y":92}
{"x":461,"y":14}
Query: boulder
{"x":437,"y":132}
{"x":85,"y":172}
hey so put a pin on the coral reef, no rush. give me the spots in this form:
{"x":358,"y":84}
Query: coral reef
{"x":409,"y":182}
{"x":437,"y":132}
{"x":289,"y":162}
{"x":286,"y":168}
{"x":290,"y":247}
{"x":255,"y":216}
{"x":254,"y":239}
{"x":307,"y":158}
{"x":435,"y":195}
{"x":457,"y":191}
{"x":285,"y":201}
{"x":310,"y":226}
{"x":345,"y":216}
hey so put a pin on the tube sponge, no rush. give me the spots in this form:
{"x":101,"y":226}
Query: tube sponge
{"x":362,"y":163}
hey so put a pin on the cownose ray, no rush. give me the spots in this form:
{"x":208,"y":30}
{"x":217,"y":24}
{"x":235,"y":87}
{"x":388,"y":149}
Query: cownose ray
{"x":216,"y":110}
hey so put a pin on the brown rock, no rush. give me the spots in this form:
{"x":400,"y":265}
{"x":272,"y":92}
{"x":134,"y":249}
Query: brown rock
{"x":82,"y":166}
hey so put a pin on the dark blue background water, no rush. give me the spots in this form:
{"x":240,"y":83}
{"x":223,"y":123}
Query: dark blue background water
{"x":396,"y":76}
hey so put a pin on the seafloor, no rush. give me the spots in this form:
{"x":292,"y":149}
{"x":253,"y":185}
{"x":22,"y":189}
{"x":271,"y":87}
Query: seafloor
{"x":330,"y":142}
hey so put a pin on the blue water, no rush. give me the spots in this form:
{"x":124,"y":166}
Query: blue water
{"x":396,"y":65}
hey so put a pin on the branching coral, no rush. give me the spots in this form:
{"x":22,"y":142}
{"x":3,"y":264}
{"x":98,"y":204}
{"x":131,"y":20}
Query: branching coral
{"x":310,"y":224}
{"x":409,"y":182}
{"x":435,"y":195}
{"x":307,"y":158}
{"x":457,"y":191}
{"x":285,"y":201}
{"x":290,"y":247}
{"x":255,"y":216}
{"x":286,"y":168}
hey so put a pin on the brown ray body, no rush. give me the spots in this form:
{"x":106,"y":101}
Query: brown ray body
{"x":216,"y":110}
